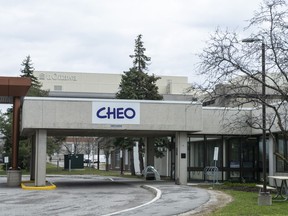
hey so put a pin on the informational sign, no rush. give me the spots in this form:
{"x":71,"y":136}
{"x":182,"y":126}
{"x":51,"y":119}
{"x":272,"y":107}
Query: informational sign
{"x":6,"y":159}
{"x":216,"y":150}
{"x":115,"y":113}
{"x":57,"y":77}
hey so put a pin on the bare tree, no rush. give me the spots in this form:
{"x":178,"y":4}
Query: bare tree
{"x":233,"y":69}
{"x":75,"y":147}
{"x":88,"y":146}
{"x":107,"y":145}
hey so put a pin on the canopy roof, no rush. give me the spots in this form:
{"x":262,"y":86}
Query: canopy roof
{"x":13,"y":87}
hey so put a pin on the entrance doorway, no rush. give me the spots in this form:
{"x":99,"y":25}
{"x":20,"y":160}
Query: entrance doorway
{"x":242,"y":159}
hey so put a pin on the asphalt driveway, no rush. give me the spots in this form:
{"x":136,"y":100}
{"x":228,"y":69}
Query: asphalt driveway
{"x":96,"y":195}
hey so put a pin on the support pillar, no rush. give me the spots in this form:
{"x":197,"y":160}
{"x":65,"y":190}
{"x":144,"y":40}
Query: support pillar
{"x":32,"y":161}
{"x":15,"y":132}
{"x":40,"y":157}
{"x":272,"y":164}
{"x":181,"y":158}
{"x":14,"y":175}
{"x":149,"y":151}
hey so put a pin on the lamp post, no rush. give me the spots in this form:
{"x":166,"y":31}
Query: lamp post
{"x":252,"y":40}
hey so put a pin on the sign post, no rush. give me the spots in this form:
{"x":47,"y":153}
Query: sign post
{"x":6,"y":161}
{"x":215,"y":158}
{"x":216,"y":152}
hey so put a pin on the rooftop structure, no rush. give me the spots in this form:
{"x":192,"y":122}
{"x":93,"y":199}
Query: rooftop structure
{"x":103,"y":85}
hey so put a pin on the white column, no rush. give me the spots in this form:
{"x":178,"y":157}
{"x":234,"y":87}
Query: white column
{"x":168,"y":163}
{"x":126,"y":157}
{"x":181,"y":158}
{"x":40,"y":157}
{"x":136,"y":157}
{"x":272,"y":164}
{"x":32,"y":160}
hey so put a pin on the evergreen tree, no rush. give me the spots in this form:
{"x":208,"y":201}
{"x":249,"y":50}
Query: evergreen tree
{"x":140,"y":60}
{"x":6,"y":130}
{"x":24,"y":144}
{"x":28,"y":71}
{"x":138,"y":85}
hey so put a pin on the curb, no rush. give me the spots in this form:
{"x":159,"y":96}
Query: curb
{"x":154,"y":190}
{"x":26,"y":185}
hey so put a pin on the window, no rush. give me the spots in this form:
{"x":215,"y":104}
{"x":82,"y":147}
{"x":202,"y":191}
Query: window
{"x":57,"y":88}
{"x":281,"y":150}
{"x":242,"y":158}
{"x":212,"y":142}
{"x":197,"y":151}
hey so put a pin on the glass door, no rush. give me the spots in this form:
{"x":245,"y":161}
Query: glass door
{"x":242,"y":155}
{"x":249,"y":160}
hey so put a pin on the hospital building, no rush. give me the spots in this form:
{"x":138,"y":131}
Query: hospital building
{"x":204,"y":128}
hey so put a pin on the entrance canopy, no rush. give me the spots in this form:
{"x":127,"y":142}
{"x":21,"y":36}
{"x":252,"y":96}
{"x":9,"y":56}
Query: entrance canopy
{"x":13,"y":87}
{"x":42,"y":117}
{"x":92,"y":117}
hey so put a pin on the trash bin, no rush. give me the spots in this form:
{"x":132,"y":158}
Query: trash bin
{"x":74,"y":160}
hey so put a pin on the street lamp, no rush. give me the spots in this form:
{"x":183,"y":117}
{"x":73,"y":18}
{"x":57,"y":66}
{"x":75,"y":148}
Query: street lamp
{"x":252,"y":40}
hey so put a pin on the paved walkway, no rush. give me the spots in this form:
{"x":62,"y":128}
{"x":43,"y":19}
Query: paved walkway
{"x":95,"y":195}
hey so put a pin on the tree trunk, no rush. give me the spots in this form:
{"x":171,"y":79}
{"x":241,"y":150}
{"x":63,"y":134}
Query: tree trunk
{"x":132,"y":167}
{"x":107,"y":161}
{"x":140,"y":154}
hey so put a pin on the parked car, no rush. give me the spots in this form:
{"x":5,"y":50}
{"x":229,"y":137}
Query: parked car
{"x":87,"y":161}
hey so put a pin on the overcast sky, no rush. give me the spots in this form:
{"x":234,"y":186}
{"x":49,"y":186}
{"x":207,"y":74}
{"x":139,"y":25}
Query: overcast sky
{"x":98,"y":35}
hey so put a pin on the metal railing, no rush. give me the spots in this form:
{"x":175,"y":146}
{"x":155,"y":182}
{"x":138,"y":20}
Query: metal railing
{"x":211,"y":171}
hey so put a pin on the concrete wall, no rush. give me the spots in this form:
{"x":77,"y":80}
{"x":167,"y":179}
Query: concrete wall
{"x":271,"y":121}
{"x":76,"y":114}
{"x":173,"y":85}
{"x":225,"y":121}
{"x":103,"y":82}
{"x":155,"y":116}
{"x":79,"y":82}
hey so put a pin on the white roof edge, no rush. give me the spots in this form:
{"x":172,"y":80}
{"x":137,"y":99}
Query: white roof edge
{"x":122,"y":100}
{"x":228,"y":108}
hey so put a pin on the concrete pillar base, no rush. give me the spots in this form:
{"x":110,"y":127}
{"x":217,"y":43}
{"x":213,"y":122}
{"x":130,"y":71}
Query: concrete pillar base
{"x":14,"y":178}
{"x":264,"y":199}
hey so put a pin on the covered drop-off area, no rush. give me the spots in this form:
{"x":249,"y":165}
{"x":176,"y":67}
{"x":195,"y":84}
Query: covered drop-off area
{"x":42,"y":117}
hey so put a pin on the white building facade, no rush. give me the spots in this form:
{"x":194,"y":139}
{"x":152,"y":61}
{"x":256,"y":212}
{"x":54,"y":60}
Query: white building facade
{"x":102,"y":83}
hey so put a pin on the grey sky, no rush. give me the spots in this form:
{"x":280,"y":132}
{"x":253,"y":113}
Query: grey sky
{"x":98,"y":35}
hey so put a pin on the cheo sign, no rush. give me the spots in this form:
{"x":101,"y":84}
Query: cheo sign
{"x":115,"y":112}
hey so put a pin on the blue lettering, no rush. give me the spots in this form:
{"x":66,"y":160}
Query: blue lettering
{"x":115,"y":113}
{"x":111,"y":112}
{"x":120,"y":113}
{"x":98,"y":114}
{"x":132,"y":115}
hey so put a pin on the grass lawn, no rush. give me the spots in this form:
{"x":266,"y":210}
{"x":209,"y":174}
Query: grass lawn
{"x":246,"y":202}
{"x":53,"y":169}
